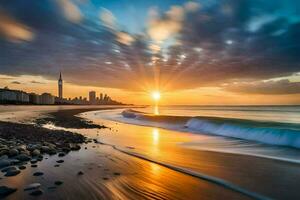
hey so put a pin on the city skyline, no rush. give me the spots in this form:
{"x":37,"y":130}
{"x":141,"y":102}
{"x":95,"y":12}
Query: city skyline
{"x":13,"y":96}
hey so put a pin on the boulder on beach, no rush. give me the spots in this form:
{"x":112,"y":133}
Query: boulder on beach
{"x":5,"y":191}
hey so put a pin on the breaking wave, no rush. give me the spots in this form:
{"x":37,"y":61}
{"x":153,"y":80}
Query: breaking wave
{"x":273,"y":133}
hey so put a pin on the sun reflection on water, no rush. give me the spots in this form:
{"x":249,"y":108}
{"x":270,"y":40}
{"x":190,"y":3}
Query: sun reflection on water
{"x":155,"y":136}
{"x":156,"y":110}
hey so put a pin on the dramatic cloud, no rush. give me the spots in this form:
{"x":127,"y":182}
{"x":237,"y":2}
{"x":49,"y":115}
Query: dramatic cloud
{"x":70,"y":10}
{"x":13,"y":30}
{"x":175,"y":46}
{"x":268,"y":87}
{"x":107,"y":18}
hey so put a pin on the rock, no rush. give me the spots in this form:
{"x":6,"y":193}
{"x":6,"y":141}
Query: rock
{"x":105,"y":178}
{"x":58,"y":182}
{"x":51,"y":187}
{"x":8,"y":168}
{"x":60,"y":161}
{"x":56,"y":165}
{"x":80,"y":173}
{"x":22,"y":157}
{"x":3,"y":157}
{"x":32,"y":186}
{"x":45,"y":149}
{"x":4,"y":151}
{"x":34,"y":165}
{"x":40,"y":158}
{"x":74,"y":147}
{"x":5,"y":191}
{"x":38,"y":174}
{"x":33,"y":161}
{"x":12,"y":172}
{"x":37,"y":192}
{"x":117,"y":174}
{"x":4,"y":163}
{"x":22,"y":167}
{"x":21,"y":148}
{"x":61,"y":154}
{"x":13,"y":152}
{"x":36,"y":152}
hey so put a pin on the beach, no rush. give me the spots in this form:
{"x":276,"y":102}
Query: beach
{"x":118,"y":160}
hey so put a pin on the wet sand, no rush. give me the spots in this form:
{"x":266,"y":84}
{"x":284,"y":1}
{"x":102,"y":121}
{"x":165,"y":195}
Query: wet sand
{"x":111,"y":174}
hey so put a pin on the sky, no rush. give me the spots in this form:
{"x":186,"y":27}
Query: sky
{"x":194,"y":52}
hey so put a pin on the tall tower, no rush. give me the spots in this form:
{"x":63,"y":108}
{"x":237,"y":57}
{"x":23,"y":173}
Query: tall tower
{"x":60,"y":87}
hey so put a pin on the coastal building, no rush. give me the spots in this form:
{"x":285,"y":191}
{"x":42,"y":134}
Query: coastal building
{"x":60,"y":87}
{"x":92,"y":97}
{"x":101,"y":97}
{"x":34,"y":98}
{"x":13,"y":96}
{"x":47,"y":98}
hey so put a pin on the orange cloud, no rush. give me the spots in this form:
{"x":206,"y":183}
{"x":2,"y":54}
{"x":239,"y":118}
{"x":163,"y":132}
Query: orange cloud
{"x":14,"y":30}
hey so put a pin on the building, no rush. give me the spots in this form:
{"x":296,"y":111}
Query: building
{"x":101,"y":97}
{"x":34,"y":98}
{"x":13,"y":96}
{"x":92,"y":97}
{"x":47,"y":98}
{"x":60,"y":87}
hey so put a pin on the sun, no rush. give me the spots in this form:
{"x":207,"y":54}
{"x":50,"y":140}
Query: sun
{"x":155,"y":95}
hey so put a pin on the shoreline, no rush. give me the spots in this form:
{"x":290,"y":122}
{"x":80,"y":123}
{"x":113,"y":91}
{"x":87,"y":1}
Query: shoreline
{"x":110,"y":173}
{"x":87,"y":164}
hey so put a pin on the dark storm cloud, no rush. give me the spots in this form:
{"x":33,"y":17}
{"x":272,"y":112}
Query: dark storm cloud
{"x":225,"y":41}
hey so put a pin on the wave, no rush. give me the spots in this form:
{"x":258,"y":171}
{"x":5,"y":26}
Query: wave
{"x":273,"y":133}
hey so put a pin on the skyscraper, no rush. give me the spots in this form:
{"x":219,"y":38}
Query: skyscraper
{"x":92,"y":97}
{"x":60,"y":87}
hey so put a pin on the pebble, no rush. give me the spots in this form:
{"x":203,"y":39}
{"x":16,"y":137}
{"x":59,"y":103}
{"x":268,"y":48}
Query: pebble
{"x":4,"y":163}
{"x":117,"y":174}
{"x":36,"y":192}
{"x":34,"y":165}
{"x":60,"y":161}
{"x":80,"y":173}
{"x":33,"y":161}
{"x":8,"y":168}
{"x":13,"y":152}
{"x":22,"y":167}
{"x":22,"y":157}
{"x":58,"y":182}
{"x":35,"y":152}
{"x":32,"y":186}
{"x":61,"y":154}
{"x":12,"y":172}
{"x":5,"y":191}
{"x":38,"y":174}
{"x":56,"y":165}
